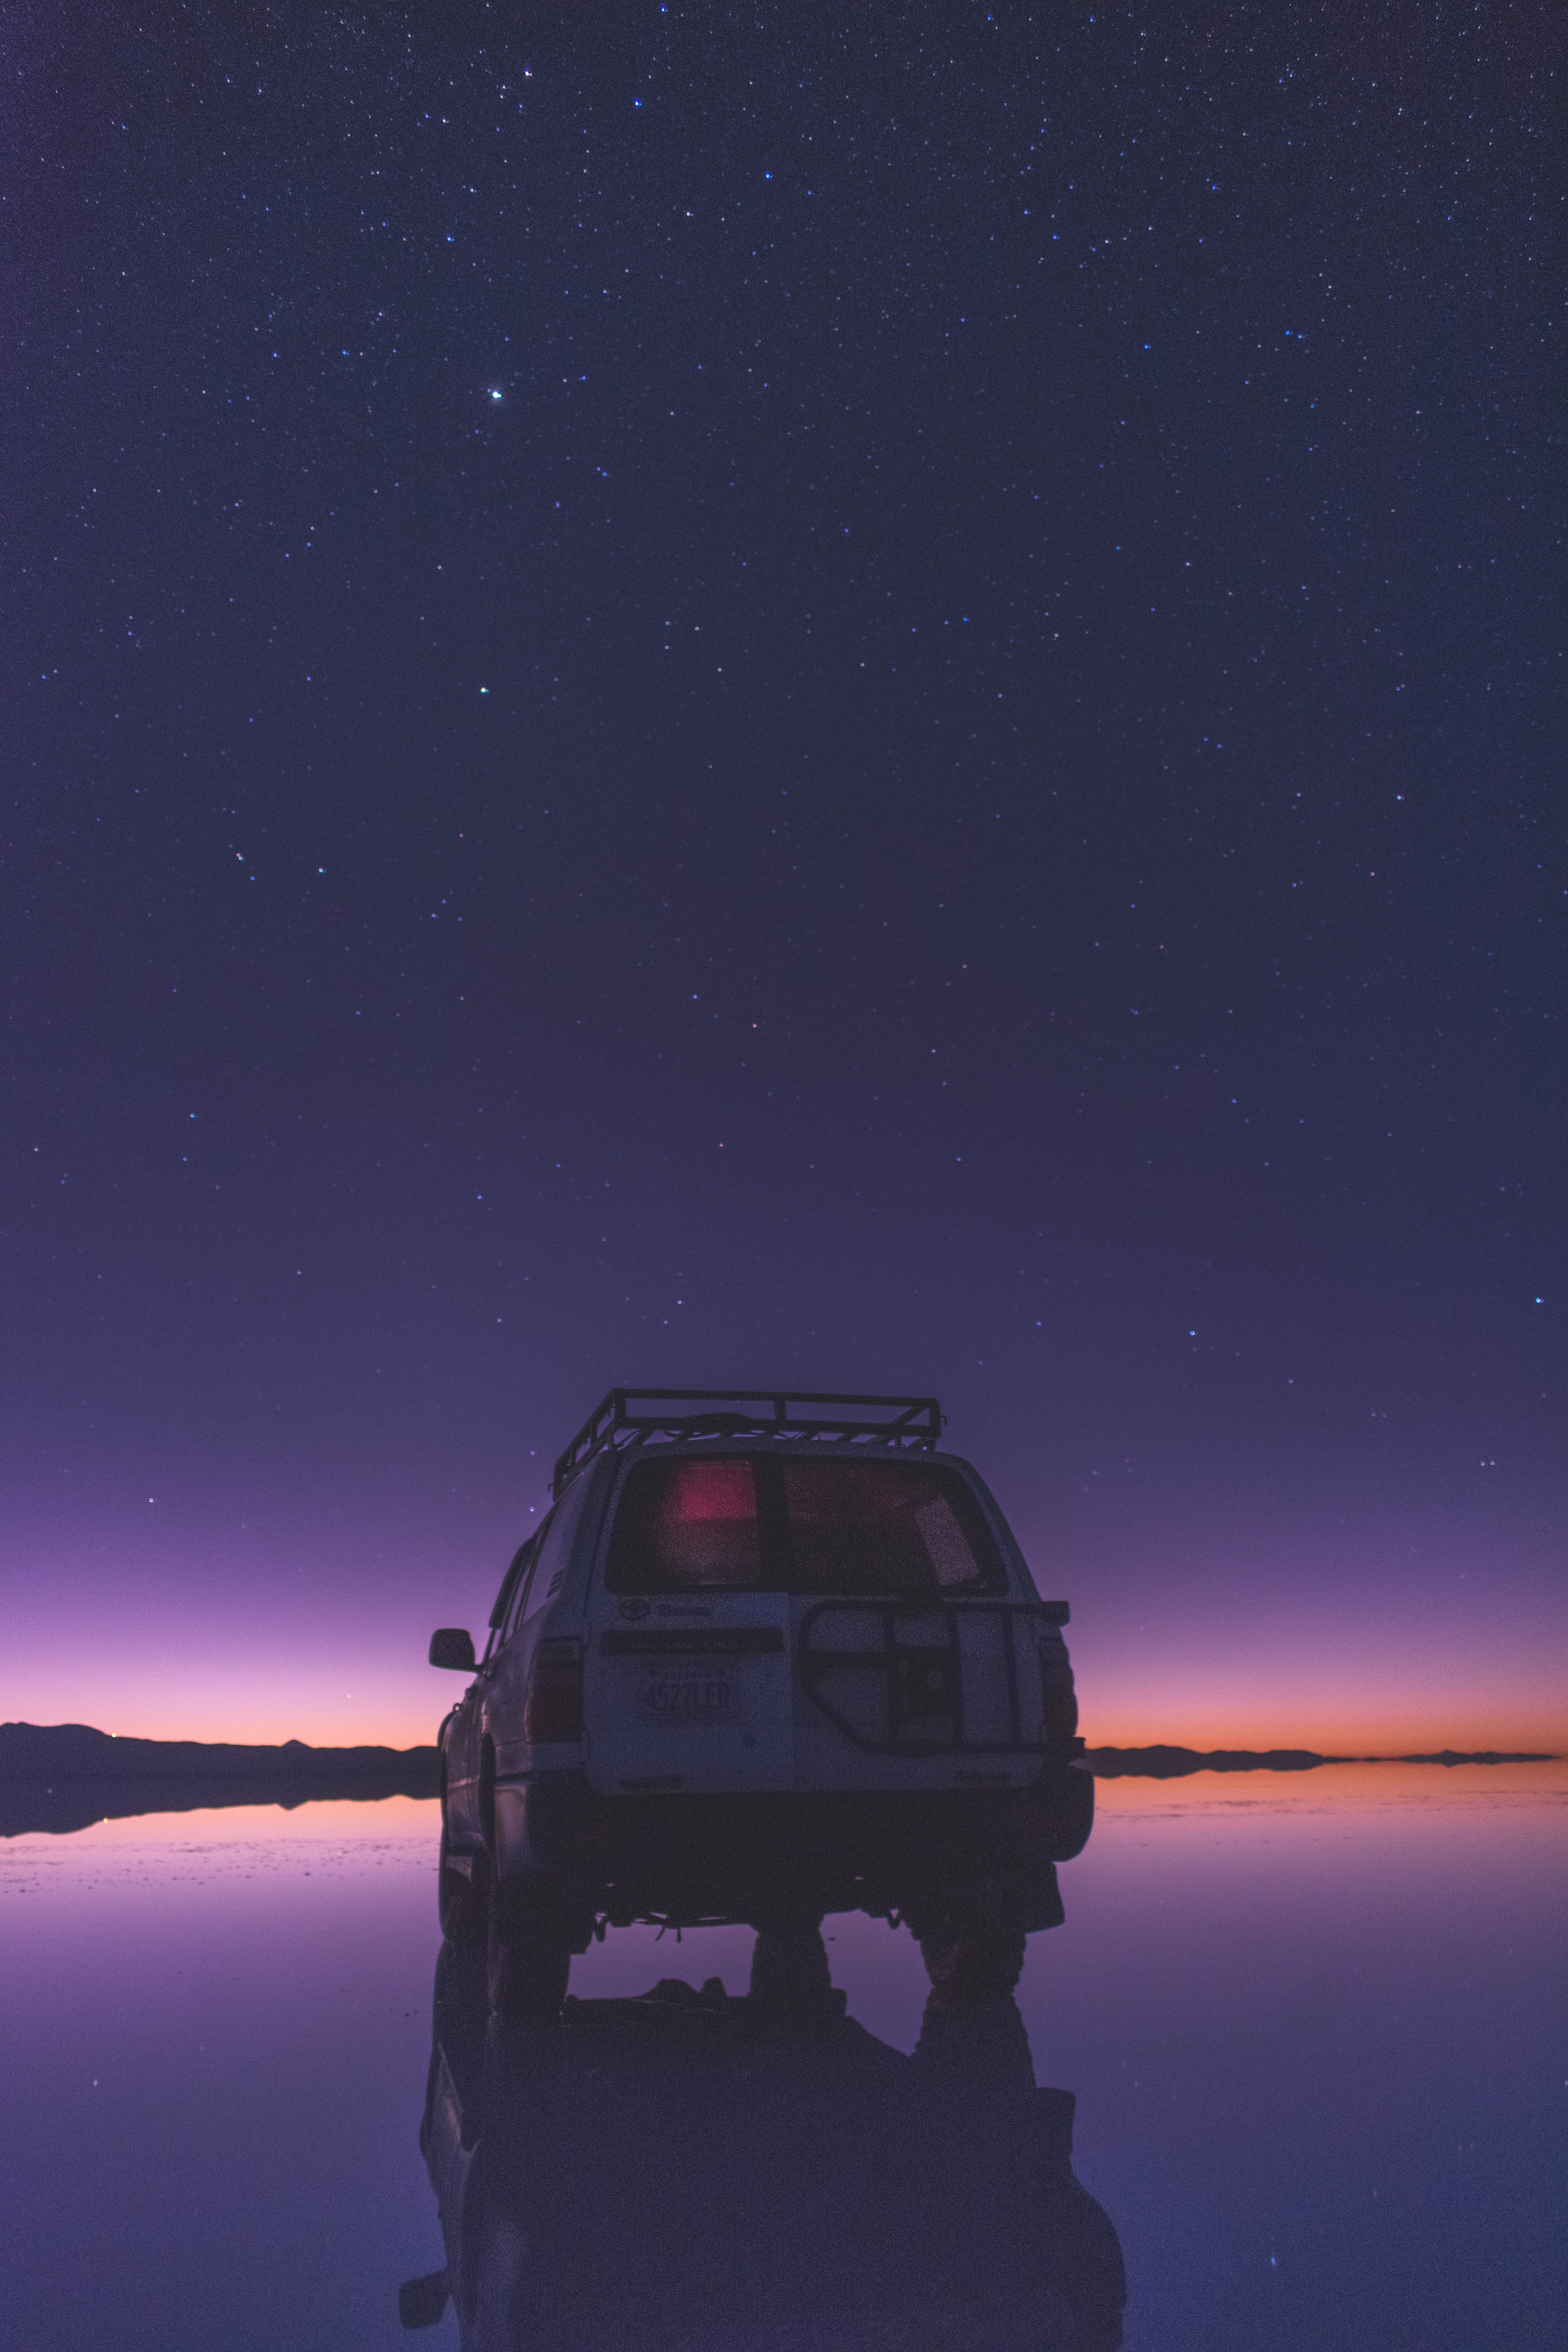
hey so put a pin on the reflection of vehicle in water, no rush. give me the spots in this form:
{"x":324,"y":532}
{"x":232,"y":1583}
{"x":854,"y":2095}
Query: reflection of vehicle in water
{"x":767,"y":1657}
{"x":693,"y":2170}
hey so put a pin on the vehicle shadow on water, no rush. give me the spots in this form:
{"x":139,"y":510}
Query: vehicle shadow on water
{"x":700,"y":2169}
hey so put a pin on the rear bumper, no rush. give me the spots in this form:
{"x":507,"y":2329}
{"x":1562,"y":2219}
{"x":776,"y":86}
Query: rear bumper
{"x":691,"y":1857}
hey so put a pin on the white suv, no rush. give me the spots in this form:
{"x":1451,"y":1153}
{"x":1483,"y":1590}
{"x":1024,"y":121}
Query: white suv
{"x":769,"y":1656}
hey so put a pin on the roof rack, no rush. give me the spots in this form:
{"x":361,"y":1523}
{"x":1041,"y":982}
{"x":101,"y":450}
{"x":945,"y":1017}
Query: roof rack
{"x":623,"y":1419}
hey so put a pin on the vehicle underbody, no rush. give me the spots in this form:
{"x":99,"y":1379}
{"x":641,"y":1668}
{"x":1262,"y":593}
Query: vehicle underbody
{"x":969,"y":1871}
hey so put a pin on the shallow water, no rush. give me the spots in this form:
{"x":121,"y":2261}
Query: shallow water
{"x":1316,"y":2026}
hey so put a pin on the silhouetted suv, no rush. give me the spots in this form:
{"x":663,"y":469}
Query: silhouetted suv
{"x":768,"y":1656}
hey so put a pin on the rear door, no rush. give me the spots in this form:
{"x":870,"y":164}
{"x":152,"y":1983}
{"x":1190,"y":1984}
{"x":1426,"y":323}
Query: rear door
{"x":688,"y":1673}
{"x":917,"y":1666}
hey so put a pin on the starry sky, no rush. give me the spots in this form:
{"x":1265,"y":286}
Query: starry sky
{"x":857,"y":697}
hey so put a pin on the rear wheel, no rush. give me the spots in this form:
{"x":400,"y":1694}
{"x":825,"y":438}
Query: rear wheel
{"x":974,"y":1952}
{"x":528,"y":1951}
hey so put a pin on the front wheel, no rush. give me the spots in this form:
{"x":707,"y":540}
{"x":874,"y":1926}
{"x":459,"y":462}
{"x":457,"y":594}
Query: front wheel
{"x":461,"y":1898}
{"x":973,"y":1953}
{"x":1068,"y":1812}
{"x":528,"y":1952}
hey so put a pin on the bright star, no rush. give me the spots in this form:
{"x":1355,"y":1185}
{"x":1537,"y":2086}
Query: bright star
{"x":494,"y":395}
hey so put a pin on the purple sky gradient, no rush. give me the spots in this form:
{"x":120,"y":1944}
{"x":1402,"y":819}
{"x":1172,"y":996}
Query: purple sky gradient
{"x":954,"y":788}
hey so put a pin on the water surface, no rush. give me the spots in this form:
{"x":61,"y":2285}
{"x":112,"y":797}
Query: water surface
{"x":1316,"y":2028}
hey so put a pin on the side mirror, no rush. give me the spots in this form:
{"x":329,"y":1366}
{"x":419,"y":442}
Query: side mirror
{"x":454,"y":1646}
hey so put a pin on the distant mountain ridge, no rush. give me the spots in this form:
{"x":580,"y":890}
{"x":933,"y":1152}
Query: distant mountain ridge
{"x":1175,"y":1763}
{"x":75,"y":1751}
{"x":1161,"y":1763}
{"x":61,"y":1777}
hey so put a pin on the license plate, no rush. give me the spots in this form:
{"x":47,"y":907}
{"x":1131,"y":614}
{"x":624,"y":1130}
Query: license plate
{"x":689,"y":1698}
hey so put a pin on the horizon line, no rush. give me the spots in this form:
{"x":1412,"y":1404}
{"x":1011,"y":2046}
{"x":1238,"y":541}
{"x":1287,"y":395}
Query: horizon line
{"x":1102,"y":1747}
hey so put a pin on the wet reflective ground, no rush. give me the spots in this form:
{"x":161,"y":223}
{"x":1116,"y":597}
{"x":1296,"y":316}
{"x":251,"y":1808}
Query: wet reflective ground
{"x":1315,"y":2028}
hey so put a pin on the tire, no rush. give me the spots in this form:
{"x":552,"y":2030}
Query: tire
{"x":973,"y":1954}
{"x":460,"y":1899}
{"x":789,"y":1974}
{"x":1070,"y":1816}
{"x":528,"y":1952}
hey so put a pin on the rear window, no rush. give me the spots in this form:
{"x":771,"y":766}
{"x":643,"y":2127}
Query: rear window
{"x":909,"y":1530}
{"x":884,"y":1526}
{"x":686,"y":1524}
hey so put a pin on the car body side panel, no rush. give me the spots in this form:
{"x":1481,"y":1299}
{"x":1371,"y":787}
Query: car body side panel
{"x":461,"y":1753}
{"x":491,"y":1710}
{"x":506,"y":1695}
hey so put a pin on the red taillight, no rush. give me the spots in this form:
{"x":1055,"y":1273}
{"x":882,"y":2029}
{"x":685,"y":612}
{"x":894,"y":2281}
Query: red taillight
{"x":1061,"y":1706}
{"x":553,"y":1707}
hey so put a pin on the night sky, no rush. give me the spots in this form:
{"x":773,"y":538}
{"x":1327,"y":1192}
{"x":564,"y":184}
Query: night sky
{"x":854,"y":697}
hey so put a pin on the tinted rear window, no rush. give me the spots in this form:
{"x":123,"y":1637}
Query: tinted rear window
{"x":884,"y":1526}
{"x":909,"y":1530}
{"x":685,"y":1524}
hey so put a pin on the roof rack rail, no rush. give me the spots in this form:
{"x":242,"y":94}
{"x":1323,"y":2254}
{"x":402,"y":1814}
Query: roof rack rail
{"x":622,"y":1420}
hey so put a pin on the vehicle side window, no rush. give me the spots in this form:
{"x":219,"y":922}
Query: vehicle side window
{"x":552,"y":1550}
{"x":511,"y":1584}
{"x":517,"y":1599}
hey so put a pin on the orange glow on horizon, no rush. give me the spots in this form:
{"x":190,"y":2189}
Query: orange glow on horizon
{"x":1360,"y":1689}
{"x":344,"y":1828}
{"x":1400,"y":1732}
{"x":405,"y":1820}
